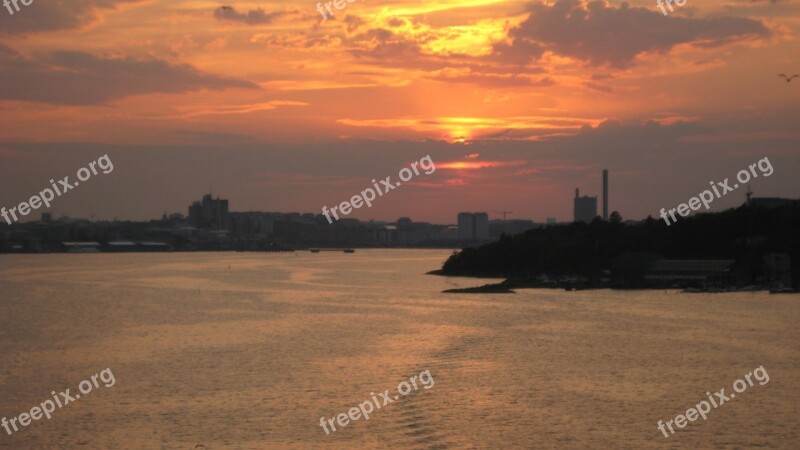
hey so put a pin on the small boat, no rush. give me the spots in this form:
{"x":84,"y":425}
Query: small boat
{"x":314,"y":250}
{"x":349,"y":250}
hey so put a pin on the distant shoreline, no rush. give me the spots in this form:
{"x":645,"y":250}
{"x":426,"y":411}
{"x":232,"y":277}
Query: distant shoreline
{"x":508,"y":285}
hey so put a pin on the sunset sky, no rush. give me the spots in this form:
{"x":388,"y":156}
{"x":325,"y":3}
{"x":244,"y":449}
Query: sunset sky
{"x":518,"y":103}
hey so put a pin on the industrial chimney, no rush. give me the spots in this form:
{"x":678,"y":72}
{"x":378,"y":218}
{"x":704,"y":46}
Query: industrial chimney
{"x":605,"y":195}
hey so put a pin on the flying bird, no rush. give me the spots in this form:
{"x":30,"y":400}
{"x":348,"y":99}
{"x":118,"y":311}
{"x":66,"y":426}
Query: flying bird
{"x":789,"y":78}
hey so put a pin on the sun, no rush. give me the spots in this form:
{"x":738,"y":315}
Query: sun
{"x":459,"y":135}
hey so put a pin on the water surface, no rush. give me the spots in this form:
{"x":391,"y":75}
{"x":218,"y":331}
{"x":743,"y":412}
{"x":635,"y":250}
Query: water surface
{"x":252,"y":356}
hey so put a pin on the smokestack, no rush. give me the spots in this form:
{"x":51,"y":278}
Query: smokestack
{"x":605,"y":194}
{"x":577,"y":192}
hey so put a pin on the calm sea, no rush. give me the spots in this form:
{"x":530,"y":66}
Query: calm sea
{"x":248,"y":351}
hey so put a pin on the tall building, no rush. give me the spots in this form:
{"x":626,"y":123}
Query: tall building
{"x":466,"y":228}
{"x":209,"y":214}
{"x":473,"y":226}
{"x":605,"y":195}
{"x":585,"y":208}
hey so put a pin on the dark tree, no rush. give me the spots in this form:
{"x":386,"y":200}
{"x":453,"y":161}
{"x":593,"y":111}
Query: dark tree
{"x":744,"y":234}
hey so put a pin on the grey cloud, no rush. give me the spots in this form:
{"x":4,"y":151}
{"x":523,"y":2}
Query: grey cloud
{"x":607,"y":36}
{"x":78,"y":78}
{"x":52,"y":15}
{"x":252,"y":17}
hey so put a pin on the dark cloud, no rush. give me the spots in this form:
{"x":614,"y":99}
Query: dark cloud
{"x":252,"y":17}
{"x":520,"y":52}
{"x":55,"y":15}
{"x":383,"y":47}
{"x":354,"y":22}
{"x":78,"y":78}
{"x":607,"y":36}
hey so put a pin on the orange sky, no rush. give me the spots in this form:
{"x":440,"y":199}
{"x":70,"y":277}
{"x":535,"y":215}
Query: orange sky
{"x":517,"y":102}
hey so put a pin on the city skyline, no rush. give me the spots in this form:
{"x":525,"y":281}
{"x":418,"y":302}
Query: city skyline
{"x":516,"y":102}
{"x":583,"y":203}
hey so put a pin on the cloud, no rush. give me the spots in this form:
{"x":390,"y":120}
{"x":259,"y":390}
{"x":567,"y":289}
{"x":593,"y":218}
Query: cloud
{"x":57,"y":15}
{"x":383,"y":47}
{"x":599,"y":87}
{"x":596,"y":32}
{"x":475,"y":76}
{"x":603,"y":35}
{"x":79,"y":78}
{"x":253,"y":17}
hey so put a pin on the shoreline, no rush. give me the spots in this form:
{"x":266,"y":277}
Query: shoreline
{"x":508,"y":285}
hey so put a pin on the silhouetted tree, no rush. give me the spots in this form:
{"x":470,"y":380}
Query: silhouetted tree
{"x":745,"y":234}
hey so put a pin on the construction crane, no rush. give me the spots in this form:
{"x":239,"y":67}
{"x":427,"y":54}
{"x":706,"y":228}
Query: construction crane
{"x":504,"y":217}
{"x":504,"y":213}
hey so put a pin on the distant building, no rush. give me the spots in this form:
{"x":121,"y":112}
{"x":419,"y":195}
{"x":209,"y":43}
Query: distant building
{"x":550,"y":221}
{"x":647,"y":269}
{"x":404,"y":223}
{"x":209,"y":214}
{"x":147,"y":246}
{"x":387,"y":234}
{"x":121,"y":246}
{"x":473,"y":226}
{"x":252,"y":223}
{"x":712,"y":272}
{"x":47,"y":217}
{"x":585,"y":208}
{"x":466,"y":227}
{"x":605,"y":195}
{"x":81,"y":247}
